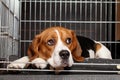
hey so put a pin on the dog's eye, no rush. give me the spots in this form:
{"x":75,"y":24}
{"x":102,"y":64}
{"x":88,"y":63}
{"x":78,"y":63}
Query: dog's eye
{"x":68,"y":40}
{"x":51,"y":42}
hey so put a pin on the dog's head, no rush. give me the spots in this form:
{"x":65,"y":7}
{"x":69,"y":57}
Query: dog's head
{"x":57,"y":45}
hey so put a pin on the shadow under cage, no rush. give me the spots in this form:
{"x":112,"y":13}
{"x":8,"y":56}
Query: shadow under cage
{"x":21,"y":20}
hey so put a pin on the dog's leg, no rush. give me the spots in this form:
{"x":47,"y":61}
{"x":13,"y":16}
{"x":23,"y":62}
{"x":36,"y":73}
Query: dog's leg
{"x":19,"y":63}
{"x":57,"y":69}
{"x":39,"y":63}
{"x":118,"y":67}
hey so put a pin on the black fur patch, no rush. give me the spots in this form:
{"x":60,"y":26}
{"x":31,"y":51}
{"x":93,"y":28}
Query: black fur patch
{"x":86,"y":44}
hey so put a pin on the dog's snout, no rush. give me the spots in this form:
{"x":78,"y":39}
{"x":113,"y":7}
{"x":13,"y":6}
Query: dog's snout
{"x":64,"y":54}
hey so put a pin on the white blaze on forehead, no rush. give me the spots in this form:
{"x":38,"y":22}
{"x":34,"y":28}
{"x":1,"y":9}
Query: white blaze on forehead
{"x":55,"y":59}
{"x":60,"y":44}
{"x":58,"y":35}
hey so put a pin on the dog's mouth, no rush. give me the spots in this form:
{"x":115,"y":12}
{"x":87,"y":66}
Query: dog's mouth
{"x":64,"y":63}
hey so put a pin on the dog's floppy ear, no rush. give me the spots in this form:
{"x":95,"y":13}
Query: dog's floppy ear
{"x":77,"y":51}
{"x":34,"y":47}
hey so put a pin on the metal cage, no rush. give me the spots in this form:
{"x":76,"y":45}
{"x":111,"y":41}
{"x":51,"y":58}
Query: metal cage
{"x":96,"y":19}
{"x":21,"y":20}
{"x":9,"y":28}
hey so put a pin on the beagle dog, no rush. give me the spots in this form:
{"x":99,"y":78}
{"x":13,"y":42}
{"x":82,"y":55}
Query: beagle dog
{"x":59,"y":47}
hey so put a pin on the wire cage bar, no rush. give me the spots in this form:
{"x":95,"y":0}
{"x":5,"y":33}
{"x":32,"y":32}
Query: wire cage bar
{"x":21,"y":20}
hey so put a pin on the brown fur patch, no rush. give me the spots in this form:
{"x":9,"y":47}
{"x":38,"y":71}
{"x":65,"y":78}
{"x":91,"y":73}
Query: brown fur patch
{"x":98,"y":46}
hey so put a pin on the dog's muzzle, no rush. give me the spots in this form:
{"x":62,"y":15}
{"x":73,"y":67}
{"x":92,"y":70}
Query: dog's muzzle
{"x":64,"y":55}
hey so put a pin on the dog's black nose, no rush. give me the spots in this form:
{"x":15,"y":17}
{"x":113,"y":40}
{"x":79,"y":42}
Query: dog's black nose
{"x":64,"y":54}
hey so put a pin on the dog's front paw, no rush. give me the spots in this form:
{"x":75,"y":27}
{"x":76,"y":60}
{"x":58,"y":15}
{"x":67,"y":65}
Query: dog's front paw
{"x":19,"y":64}
{"x":16,"y":65}
{"x":39,"y":63}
